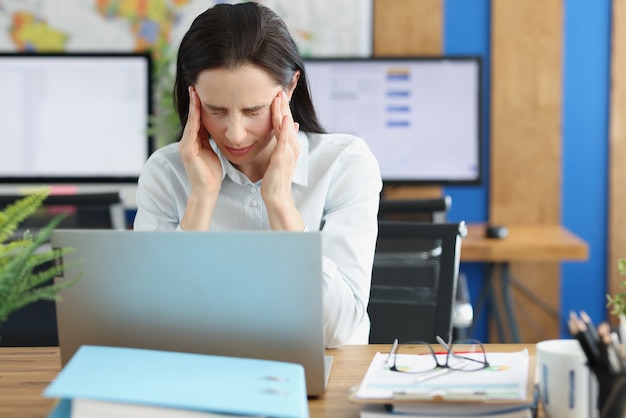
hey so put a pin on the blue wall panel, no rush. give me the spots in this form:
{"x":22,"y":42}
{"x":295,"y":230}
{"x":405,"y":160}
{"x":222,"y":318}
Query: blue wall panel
{"x":467,"y":27}
{"x":585,"y":142}
{"x":585,"y":131}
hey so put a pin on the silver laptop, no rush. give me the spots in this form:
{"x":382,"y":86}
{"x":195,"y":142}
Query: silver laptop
{"x":245,"y":294}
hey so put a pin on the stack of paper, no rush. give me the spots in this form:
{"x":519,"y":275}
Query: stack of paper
{"x":113,"y":381}
{"x":501,"y":390}
{"x":447,"y":411}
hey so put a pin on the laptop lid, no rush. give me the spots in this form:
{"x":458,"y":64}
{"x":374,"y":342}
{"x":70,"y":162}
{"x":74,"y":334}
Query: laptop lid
{"x":244,"y":294}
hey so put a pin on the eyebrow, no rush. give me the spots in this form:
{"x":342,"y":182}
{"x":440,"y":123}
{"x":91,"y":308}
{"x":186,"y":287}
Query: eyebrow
{"x":245,"y":109}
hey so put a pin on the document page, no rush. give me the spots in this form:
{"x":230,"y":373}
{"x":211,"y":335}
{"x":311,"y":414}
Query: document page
{"x":505,"y":379}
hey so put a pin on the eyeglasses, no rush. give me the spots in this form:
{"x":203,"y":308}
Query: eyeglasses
{"x":464,"y":355}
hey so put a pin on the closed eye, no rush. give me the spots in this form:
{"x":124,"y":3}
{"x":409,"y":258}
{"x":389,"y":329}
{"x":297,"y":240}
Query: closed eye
{"x":214,"y":110}
{"x":253,"y":111}
{"x":249,"y":111}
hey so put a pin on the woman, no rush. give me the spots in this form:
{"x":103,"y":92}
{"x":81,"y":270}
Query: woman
{"x":252,"y":155}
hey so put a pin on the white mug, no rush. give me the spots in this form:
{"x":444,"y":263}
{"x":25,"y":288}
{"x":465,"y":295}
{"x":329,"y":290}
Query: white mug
{"x":567,"y":387}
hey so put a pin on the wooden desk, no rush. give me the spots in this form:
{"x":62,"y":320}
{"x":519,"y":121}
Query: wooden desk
{"x":525,"y":243}
{"x":25,"y":373}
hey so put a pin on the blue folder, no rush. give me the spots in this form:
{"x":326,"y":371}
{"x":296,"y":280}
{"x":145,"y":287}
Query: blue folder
{"x":217,"y":384}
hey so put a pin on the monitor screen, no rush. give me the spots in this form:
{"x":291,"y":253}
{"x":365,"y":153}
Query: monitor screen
{"x":419,"y":116}
{"x":74,"y":117}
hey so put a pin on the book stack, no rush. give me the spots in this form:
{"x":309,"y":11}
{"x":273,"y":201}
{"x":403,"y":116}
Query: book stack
{"x":128,"y":382}
{"x":503,"y":389}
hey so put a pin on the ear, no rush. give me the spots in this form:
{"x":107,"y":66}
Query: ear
{"x":294,"y":83}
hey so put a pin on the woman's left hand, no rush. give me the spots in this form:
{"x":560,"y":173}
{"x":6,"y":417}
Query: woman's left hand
{"x":276,"y":184}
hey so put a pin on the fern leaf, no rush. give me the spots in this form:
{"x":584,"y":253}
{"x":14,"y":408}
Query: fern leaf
{"x":37,"y":279}
{"x":15,"y":213}
{"x":14,"y":272}
{"x":13,"y":247}
{"x":38,"y":241}
{"x":50,"y":292}
{"x":19,"y":284}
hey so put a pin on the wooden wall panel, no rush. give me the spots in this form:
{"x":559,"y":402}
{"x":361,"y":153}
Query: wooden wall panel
{"x":526,"y":111}
{"x":617,"y":148}
{"x":408,"y":27}
{"x":525,"y":161}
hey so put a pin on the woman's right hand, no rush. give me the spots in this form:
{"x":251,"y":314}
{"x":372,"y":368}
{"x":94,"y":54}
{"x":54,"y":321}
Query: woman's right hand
{"x":202,"y":165}
{"x":203,"y":168}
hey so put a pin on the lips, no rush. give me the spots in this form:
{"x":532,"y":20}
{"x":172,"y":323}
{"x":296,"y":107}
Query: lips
{"x":239,"y":151}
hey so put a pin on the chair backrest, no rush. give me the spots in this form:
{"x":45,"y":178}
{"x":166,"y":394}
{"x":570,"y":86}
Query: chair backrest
{"x":419,"y":210}
{"x":414,"y":279}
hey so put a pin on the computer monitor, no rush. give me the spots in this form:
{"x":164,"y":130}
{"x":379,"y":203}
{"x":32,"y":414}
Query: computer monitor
{"x":420,"y":116}
{"x":74,"y":118}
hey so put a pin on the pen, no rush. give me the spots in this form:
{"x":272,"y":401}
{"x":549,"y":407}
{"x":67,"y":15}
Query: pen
{"x":621,"y":355}
{"x":603,"y":344}
{"x":613,"y":359}
{"x":593,"y":333}
{"x":596,"y":349}
{"x":577,"y":329}
{"x":617,"y":344}
{"x":432,"y":375}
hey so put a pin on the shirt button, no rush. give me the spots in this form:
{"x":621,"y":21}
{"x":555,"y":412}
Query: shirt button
{"x":253,"y":203}
{"x":253,"y":190}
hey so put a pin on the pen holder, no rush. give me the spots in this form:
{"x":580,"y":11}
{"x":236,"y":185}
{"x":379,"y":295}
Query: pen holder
{"x":611,"y":393}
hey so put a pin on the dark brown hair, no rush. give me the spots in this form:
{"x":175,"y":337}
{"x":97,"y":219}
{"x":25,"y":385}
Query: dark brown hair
{"x":232,"y":35}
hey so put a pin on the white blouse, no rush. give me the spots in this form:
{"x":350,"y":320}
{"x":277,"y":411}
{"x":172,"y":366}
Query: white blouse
{"x":336,"y":188}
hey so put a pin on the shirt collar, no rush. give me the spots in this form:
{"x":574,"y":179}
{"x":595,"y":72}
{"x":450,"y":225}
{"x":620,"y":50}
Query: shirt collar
{"x":300,"y":175}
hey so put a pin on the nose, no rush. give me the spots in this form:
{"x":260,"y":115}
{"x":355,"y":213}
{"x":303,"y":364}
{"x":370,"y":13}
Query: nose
{"x":235,"y":131}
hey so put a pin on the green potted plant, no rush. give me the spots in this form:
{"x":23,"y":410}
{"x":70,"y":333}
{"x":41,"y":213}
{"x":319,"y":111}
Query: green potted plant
{"x":164,"y":125}
{"x":26,"y":263}
{"x":617,"y":302}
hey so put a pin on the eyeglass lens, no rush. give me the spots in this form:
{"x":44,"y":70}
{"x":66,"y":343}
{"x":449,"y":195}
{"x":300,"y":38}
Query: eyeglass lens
{"x":467,"y":356}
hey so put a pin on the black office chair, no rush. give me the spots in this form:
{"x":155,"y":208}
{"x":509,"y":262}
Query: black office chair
{"x":433,"y":210}
{"x":414,"y":281}
{"x":35,"y":324}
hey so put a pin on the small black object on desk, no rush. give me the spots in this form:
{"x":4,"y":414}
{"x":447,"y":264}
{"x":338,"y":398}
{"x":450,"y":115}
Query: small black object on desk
{"x":496,"y":231}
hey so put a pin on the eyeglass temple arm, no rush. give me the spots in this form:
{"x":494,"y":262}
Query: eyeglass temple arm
{"x":394,"y":347}
{"x":447,"y":347}
{"x":443,"y":343}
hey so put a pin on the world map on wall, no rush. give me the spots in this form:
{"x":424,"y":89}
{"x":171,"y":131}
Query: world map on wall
{"x":320,"y":27}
